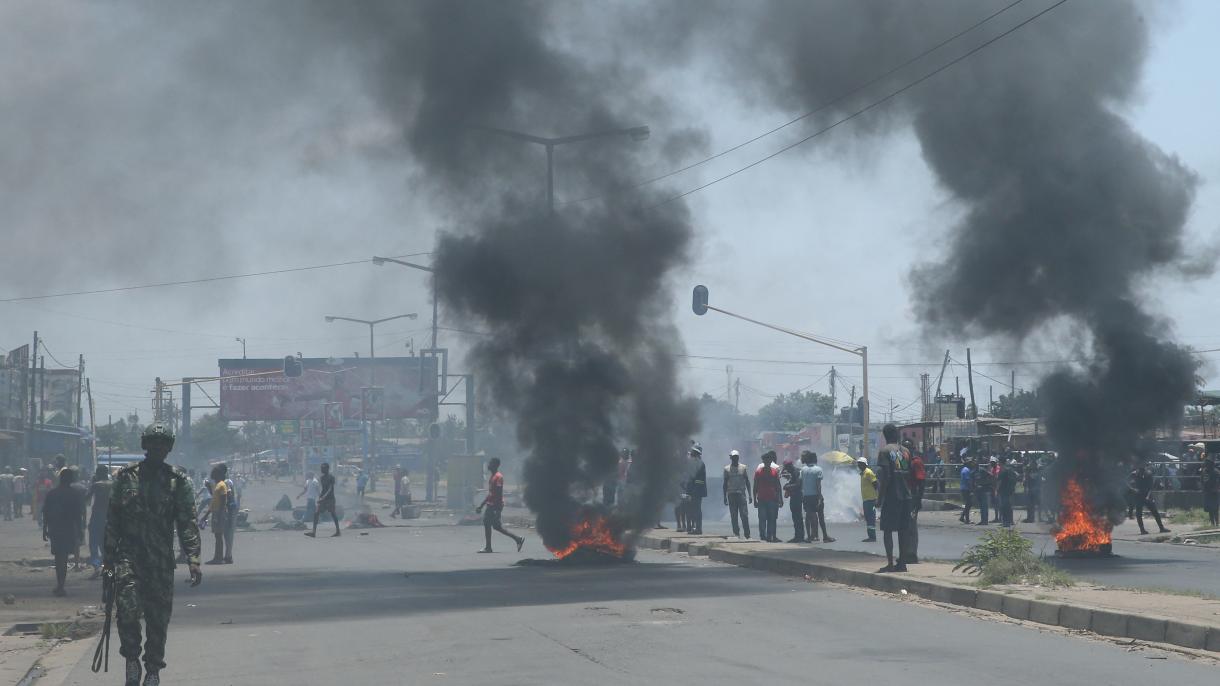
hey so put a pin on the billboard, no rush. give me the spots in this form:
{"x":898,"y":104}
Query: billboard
{"x":330,"y":390}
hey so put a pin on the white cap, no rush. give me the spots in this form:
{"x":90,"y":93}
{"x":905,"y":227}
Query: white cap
{"x":734,"y":453}
{"x":861,"y":460}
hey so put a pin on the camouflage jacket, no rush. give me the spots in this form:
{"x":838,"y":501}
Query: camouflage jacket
{"x":147,"y":501}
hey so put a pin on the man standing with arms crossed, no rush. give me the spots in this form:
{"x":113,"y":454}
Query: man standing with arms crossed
{"x":737,"y":496}
{"x":494,"y":502}
{"x":148,"y":501}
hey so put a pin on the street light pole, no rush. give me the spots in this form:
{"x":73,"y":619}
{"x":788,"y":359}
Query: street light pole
{"x":701,"y":306}
{"x":636,"y":133}
{"x":379,"y":261}
{"x":370,"y":455}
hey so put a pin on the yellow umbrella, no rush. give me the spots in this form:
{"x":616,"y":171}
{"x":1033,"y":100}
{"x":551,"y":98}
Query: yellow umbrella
{"x":837,"y":457}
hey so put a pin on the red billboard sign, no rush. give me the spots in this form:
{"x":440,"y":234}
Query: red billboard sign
{"x":330,"y":390}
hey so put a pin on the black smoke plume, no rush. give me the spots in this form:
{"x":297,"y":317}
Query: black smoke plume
{"x":1064,"y":207}
{"x":577,"y":349}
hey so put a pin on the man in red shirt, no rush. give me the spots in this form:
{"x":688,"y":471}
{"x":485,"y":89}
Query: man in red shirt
{"x":494,"y":504}
{"x":768,"y":497}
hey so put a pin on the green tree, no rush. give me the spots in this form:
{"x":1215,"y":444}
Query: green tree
{"x":1026,"y":404}
{"x":795,"y":410}
{"x":119,"y":435}
{"x":212,"y":436}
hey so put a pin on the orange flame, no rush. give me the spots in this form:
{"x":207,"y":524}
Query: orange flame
{"x":593,"y":533}
{"x":1079,"y":529}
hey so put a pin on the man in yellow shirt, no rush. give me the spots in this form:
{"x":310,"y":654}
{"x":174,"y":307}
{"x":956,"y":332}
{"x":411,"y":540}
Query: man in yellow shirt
{"x":868,"y":494}
{"x":219,"y":507}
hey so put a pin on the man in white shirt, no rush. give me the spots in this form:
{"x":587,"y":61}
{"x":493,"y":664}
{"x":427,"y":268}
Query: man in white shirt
{"x":404,"y":485}
{"x":737,"y":492}
{"x":311,"y":491}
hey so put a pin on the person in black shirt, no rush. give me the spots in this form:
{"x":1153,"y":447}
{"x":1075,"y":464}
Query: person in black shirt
{"x":326,"y":502}
{"x":63,"y":511}
{"x":1006,"y":487}
{"x":696,"y":489}
{"x":1140,"y":483}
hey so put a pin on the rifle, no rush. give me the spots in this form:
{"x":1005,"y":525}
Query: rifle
{"x":101,"y":656}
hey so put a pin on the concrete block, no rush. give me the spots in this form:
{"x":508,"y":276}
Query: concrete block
{"x":1213,"y":639}
{"x":923,"y":589}
{"x":1043,"y":612}
{"x":954,"y":595}
{"x":1074,"y":617}
{"x":1186,"y":635}
{"x":989,"y":600}
{"x":860,"y":579}
{"x":1015,"y":607}
{"x":1146,"y":628}
{"x":699,"y":549}
{"x":1109,"y":623}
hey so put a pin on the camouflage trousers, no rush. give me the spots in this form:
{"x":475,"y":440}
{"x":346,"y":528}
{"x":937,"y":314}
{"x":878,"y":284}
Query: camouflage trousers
{"x":147,"y":594}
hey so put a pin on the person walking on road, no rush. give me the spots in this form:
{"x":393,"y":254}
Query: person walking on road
{"x":894,"y":499}
{"x":326,"y":501}
{"x":492,"y":507}
{"x":310,"y":490}
{"x":148,"y":501}
{"x":811,"y":498}
{"x":362,"y":482}
{"x":737,"y":496}
{"x":99,"y":495}
{"x":868,"y":498}
{"x":792,"y":491}
{"x":696,"y":489}
{"x":1140,"y":482}
{"x":218,"y":507}
{"x":234,"y":504}
{"x":21,"y":490}
{"x":62,"y":512}
{"x":768,"y":497}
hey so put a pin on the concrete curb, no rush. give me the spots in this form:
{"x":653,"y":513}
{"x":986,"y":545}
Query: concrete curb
{"x":1070,"y":616}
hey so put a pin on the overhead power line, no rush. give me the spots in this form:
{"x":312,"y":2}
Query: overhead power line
{"x":867,"y":108}
{"x":187,"y":282}
{"x":824,"y":106}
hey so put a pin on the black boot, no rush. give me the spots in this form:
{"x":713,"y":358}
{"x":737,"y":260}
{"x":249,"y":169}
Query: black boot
{"x":153,"y":678}
{"x":133,"y":672}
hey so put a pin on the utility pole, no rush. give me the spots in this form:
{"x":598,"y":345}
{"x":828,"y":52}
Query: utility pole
{"x":737,"y":399}
{"x":1012,"y":395}
{"x":924,"y":381}
{"x":29,"y":436}
{"x":92,"y":425}
{"x":728,"y":383}
{"x":974,"y":409}
{"x":851,"y":421}
{"x":80,"y":415}
{"x":42,"y":390}
{"x":834,"y":413}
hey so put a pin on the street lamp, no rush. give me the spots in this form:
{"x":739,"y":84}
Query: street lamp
{"x":370,"y":450}
{"x":635,"y":133}
{"x":380,"y":261}
{"x":243,"y":346}
{"x":700,"y":306}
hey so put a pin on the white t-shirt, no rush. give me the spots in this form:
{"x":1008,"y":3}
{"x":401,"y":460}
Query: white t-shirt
{"x":312,"y":489}
{"x":406,"y":484}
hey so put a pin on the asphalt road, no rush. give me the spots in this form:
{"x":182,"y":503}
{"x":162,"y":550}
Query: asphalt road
{"x":416,"y":605}
{"x":1136,"y":565}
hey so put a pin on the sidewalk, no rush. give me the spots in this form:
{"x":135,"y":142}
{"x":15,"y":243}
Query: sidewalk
{"x":1183,"y":620}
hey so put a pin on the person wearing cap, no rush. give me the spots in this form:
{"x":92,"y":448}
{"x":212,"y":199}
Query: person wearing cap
{"x":868,"y":497}
{"x":894,"y":501}
{"x":768,"y":497}
{"x":696,"y":490}
{"x":737,"y":498}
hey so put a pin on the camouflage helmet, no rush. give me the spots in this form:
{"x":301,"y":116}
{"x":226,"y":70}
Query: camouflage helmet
{"x":157,"y":431}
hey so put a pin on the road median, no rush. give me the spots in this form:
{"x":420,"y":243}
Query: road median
{"x":1182,"y":620}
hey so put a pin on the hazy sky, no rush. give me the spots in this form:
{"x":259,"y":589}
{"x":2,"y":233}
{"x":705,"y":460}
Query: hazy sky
{"x":813,"y":240}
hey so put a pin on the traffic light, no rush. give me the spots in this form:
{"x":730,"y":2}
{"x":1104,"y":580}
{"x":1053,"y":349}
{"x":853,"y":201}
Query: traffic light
{"x":699,"y":300}
{"x":292,"y":366}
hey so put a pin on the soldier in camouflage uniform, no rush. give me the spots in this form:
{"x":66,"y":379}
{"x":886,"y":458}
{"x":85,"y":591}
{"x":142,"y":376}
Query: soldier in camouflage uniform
{"x":148,"y":499}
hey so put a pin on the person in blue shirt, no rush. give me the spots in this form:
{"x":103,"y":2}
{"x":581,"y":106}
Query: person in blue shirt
{"x":811,"y":498}
{"x":967,"y":489}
